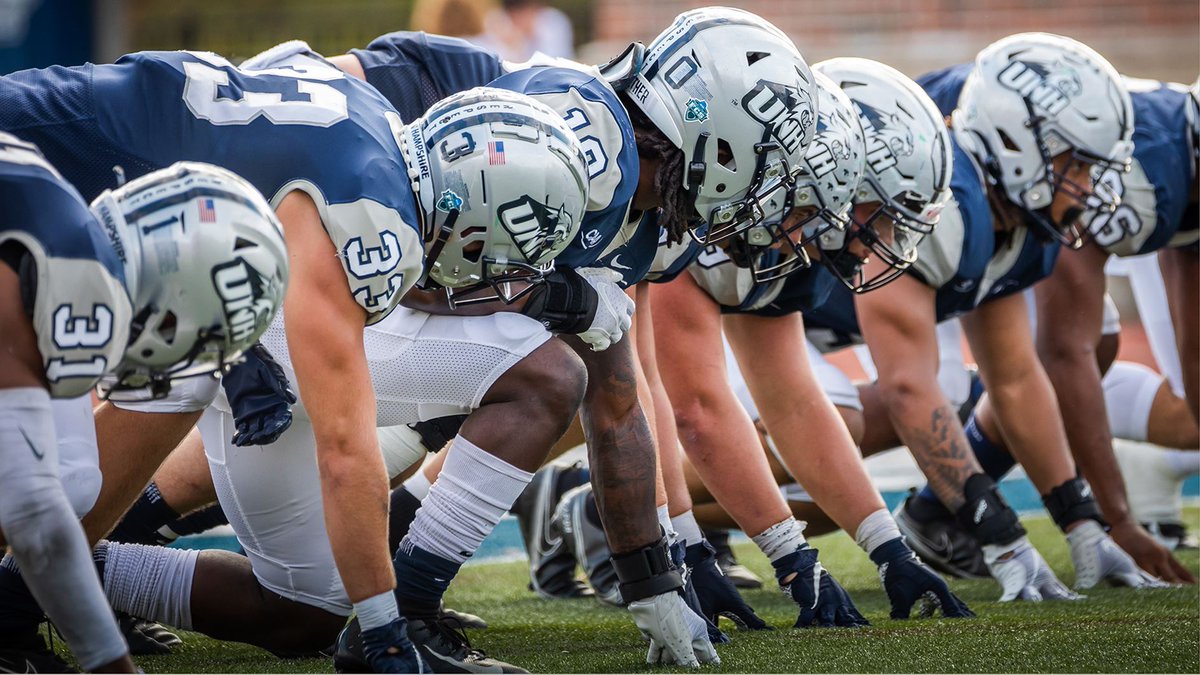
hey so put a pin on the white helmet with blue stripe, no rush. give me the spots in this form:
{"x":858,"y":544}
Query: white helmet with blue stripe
{"x":502,"y":185}
{"x":733,"y":93}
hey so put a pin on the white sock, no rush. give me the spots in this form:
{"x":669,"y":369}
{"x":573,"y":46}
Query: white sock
{"x":418,"y":485}
{"x":152,"y":582}
{"x":471,"y":495}
{"x":689,"y":531}
{"x":780,"y":539}
{"x":875,"y":530}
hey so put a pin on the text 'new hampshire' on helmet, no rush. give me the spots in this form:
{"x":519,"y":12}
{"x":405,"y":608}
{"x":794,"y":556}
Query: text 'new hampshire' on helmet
{"x":502,"y":186}
{"x":206,"y":266}
{"x":733,"y":93}
{"x":906,"y":182}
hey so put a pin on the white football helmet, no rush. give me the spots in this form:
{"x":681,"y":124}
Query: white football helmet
{"x":908,"y":168}
{"x":733,"y":93}
{"x":206,"y":267}
{"x":502,"y":186}
{"x":1033,"y":96}
{"x":823,"y":192}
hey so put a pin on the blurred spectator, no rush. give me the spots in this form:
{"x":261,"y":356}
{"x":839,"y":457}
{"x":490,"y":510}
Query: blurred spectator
{"x":456,"y":18}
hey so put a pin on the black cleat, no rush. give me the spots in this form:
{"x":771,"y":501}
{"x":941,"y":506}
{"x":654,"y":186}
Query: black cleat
{"x":737,"y":573}
{"x":447,"y":649}
{"x":941,"y":543}
{"x":461,"y":619}
{"x":551,"y":565}
{"x":146,"y":638}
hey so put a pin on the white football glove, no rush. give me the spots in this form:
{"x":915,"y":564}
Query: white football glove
{"x":614,"y":309}
{"x":677,"y":635}
{"x":1097,"y":558}
{"x":1023,"y":573}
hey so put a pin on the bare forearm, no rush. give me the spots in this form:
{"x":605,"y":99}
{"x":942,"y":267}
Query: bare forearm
{"x":1032,"y":426}
{"x":1080,"y":396}
{"x":620,"y":448}
{"x":929,"y":426}
{"x":354,"y":492}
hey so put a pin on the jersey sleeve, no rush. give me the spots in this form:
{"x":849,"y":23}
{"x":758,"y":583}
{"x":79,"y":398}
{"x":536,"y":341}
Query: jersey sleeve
{"x":945,"y":85}
{"x":80,"y":308}
{"x":939,"y":254}
{"x":592,"y":110}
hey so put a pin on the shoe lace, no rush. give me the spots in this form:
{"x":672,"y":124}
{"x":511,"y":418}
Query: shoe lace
{"x":451,"y":632}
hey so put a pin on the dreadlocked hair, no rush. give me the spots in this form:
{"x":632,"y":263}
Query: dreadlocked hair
{"x":677,"y":206}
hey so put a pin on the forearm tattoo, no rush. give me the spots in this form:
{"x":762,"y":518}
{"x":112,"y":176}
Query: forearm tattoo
{"x":944,"y":455}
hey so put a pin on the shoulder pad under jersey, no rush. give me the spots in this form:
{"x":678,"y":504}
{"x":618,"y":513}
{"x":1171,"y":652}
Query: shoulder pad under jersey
{"x":81,"y":312}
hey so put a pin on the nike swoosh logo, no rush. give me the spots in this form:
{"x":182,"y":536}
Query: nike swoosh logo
{"x":616,"y":263}
{"x":460,"y":666}
{"x":39,"y":455}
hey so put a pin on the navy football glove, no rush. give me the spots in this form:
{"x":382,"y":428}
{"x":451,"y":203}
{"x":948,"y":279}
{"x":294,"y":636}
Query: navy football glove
{"x":678,"y":556}
{"x":260,"y":396}
{"x":823,"y":602}
{"x":908,"y":580}
{"x":388,"y":650}
{"x":716,"y":593}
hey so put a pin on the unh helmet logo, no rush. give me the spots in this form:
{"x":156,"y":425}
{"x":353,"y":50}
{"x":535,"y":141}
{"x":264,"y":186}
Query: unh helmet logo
{"x":888,"y":138}
{"x":534,"y":227}
{"x":784,"y":110}
{"x":1050,"y":88}
{"x":245,"y":297}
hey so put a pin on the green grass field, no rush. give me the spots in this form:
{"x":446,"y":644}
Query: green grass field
{"x":1113,"y":630}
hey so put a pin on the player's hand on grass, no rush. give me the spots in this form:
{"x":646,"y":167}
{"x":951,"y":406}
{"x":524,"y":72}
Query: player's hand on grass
{"x":1023,"y":573}
{"x":260,"y":396}
{"x":677,"y":635}
{"x":388,"y":650}
{"x":823,"y":602}
{"x":1098,"y":558}
{"x":1149,"y":555}
{"x":907,"y":580}
{"x":718,"y":596}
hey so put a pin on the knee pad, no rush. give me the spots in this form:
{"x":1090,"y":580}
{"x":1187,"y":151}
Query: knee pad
{"x":401,"y":447}
{"x":1129,"y":391}
{"x":78,"y":457}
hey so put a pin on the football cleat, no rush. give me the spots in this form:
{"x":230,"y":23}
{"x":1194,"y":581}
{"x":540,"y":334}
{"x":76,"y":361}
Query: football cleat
{"x":587,"y":543}
{"x":146,"y":638}
{"x":461,"y":619}
{"x":551,"y":563}
{"x":941,"y":543}
{"x":739,"y":574}
{"x":444,"y":649}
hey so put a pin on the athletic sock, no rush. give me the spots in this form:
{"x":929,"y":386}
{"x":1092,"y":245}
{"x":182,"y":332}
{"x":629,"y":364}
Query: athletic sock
{"x":152,"y":582}
{"x":141,"y":524}
{"x":781,"y":539}
{"x":473,"y":492}
{"x":401,"y":512}
{"x":689,"y":531}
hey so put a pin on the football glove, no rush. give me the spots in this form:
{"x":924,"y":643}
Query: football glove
{"x":614,"y":309}
{"x":260,"y":396}
{"x":1023,"y":574}
{"x":388,"y":650}
{"x":677,"y":635}
{"x":908,"y":580}
{"x":823,"y":602}
{"x":716,"y":593}
{"x":1098,"y":558}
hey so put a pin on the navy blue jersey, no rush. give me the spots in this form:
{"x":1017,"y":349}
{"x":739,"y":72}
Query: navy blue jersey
{"x":285,"y":120}
{"x":80,"y":307}
{"x":399,"y":64}
{"x":415,"y":70}
{"x":734,"y":289}
{"x":945,"y":85}
{"x":1156,"y":192}
{"x":966,"y":261}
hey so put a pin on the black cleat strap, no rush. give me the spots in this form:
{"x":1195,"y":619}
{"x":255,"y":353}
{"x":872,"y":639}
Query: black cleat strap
{"x":986,"y":515}
{"x":1072,"y":502}
{"x":647,"y":572}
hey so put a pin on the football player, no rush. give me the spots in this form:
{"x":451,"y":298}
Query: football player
{"x":1157,"y":213}
{"x":107,"y":291}
{"x":326,"y":149}
{"x":894,"y":204}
